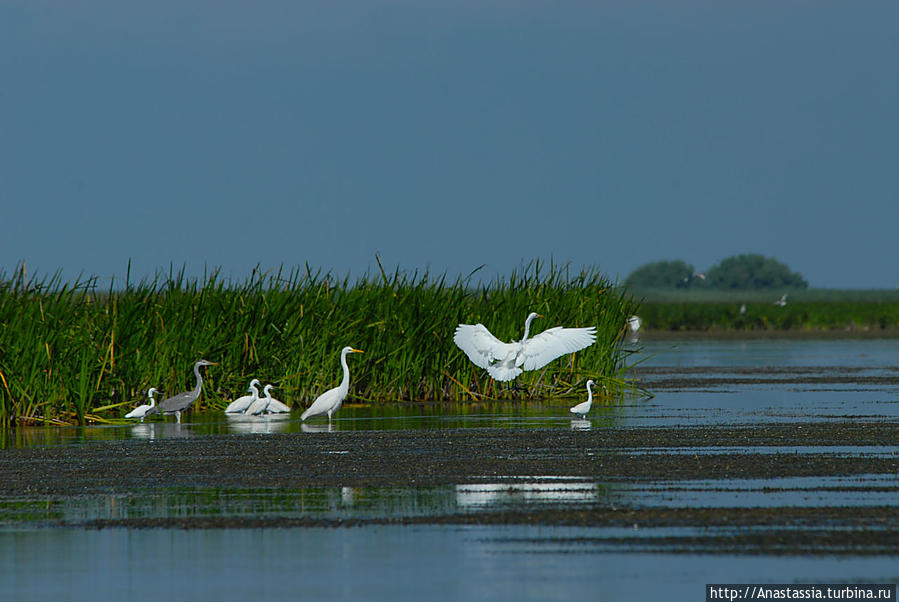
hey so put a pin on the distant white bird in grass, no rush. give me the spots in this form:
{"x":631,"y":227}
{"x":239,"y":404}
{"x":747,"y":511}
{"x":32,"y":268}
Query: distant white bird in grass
{"x":180,"y":402}
{"x":782,"y":302}
{"x":634,"y":323}
{"x":242,"y":403}
{"x":505,"y":361}
{"x":274,"y":406}
{"x":743,"y":310}
{"x":582,"y":408}
{"x":141,"y":411}
{"x":331,"y":400}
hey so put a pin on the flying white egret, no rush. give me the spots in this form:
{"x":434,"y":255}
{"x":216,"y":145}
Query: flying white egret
{"x":330,"y":401}
{"x":141,"y":411}
{"x":274,"y":406}
{"x":582,"y":408}
{"x":782,"y":302}
{"x":505,"y":361}
{"x":242,"y":403}
{"x":180,"y":402}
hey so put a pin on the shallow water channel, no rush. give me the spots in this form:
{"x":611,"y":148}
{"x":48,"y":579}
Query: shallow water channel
{"x":786,"y":472}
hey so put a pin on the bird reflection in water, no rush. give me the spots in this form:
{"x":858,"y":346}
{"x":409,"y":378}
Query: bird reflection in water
{"x":265,"y":424}
{"x":317,"y":428}
{"x":159,"y":430}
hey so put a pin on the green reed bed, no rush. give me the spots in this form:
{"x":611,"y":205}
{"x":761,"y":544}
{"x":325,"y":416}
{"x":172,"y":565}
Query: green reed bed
{"x":70,"y":352}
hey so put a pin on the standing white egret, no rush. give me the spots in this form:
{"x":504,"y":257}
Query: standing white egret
{"x":331,"y":400}
{"x":180,"y":402}
{"x":242,"y":403}
{"x":274,"y":406}
{"x":141,"y":411}
{"x":582,"y":408}
{"x":505,"y":361}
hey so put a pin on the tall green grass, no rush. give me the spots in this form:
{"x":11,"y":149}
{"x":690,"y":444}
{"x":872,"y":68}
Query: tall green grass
{"x":70,"y":352}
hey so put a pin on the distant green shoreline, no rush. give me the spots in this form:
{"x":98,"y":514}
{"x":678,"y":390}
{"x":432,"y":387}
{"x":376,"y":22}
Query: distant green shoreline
{"x":820,"y":311}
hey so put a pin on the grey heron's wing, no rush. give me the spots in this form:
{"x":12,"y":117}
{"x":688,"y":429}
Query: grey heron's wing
{"x":178,"y":402}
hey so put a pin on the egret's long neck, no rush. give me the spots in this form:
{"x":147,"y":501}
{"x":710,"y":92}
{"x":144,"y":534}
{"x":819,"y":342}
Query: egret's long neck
{"x":199,"y":380}
{"x":152,"y":401}
{"x":345,"y":383}
{"x":527,"y":328}
{"x":589,"y":395}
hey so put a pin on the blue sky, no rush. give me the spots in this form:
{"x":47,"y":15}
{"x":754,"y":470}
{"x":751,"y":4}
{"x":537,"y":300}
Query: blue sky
{"x":446,"y":135}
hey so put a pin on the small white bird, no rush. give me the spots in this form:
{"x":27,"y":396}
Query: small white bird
{"x":505,"y":361}
{"x":141,"y":411}
{"x":274,"y":406}
{"x":331,"y":400}
{"x":782,"y":302}
{"x":261,"y":404}
{"x":242,"y":403}
{"x":634,"y":324}
{"x":582,"y":408}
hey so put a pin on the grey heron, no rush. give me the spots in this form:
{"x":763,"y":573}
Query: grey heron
{"x":180,"y":402}
{"x":505,"y":361}
{"x":331,"y":400}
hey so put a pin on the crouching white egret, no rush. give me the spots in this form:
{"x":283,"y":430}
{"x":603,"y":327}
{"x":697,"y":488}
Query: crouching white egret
{"x":331,"y":400}
{"x":505,"y":361}
{"x":141,"y":411}
{"x":582,"y":408}
{"x":274,"y":406}
{"x":242,"y":403}
{"x":180,"y":402}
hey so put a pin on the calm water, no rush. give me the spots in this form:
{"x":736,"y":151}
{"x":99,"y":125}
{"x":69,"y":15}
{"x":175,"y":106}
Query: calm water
{"x":490,"y":562}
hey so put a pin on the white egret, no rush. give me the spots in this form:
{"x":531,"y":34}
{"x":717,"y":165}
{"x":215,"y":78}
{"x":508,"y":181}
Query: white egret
{"x":782,"y":302}
{"x":582,"y":408}
{"x":331,"y":400}
{"x":180,"y":402}
{"x":505,"y":361}
{"x":260,"y":406}
{"x":141,"y":411}
{"x":634,"y":324}
{"x":242,"y":403}
{"x":274,"y":406}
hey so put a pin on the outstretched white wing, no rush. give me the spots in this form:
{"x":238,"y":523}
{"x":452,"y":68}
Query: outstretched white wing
{"x":552,"y":343}
{"x":479,"y":345}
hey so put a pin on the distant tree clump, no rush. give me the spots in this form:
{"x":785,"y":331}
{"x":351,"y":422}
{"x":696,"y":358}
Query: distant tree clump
{"x":661,"y":274}
{"x":753,"y":271}
{"x":739,"y":272}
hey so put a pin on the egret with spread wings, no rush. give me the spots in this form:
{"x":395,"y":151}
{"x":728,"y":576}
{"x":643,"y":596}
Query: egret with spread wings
{"x":505,"y":361}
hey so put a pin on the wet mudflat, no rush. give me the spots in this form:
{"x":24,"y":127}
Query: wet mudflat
{"x":761,"y":460}
{"x":590,"y":478}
